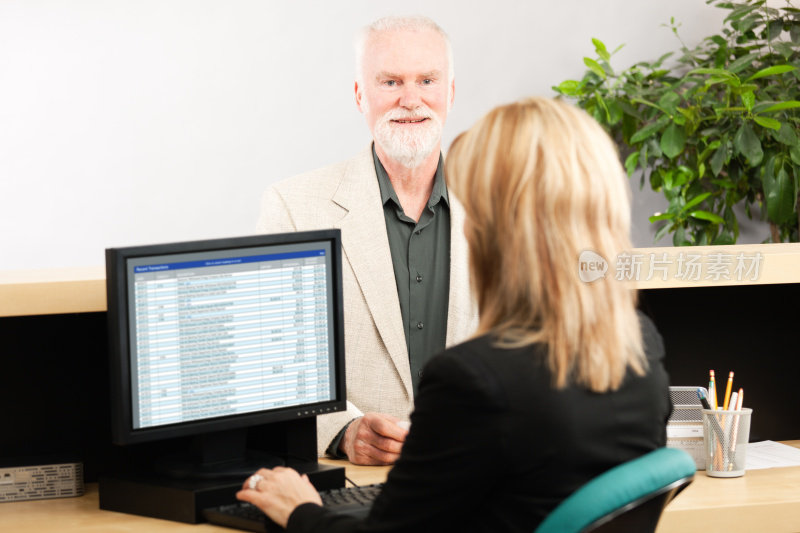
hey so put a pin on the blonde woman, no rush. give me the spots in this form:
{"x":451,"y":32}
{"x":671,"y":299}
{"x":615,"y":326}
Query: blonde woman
{"x":563,"y":379}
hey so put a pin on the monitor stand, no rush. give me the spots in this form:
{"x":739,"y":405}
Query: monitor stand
{"x":179,"y":489}
{"x":217,"y":456}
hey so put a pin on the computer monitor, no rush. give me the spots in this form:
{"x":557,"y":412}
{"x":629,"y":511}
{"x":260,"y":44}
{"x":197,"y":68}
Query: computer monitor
{"x":210,"y":338}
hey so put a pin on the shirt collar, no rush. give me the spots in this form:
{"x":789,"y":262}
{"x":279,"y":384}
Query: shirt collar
{"x":439,"y":191}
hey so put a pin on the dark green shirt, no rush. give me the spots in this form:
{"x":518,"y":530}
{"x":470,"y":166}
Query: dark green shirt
{"x":421,"y":259}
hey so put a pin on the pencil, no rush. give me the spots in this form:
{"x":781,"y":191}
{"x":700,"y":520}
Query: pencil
{"x":728,"y":391}
{"x":712,"y":390}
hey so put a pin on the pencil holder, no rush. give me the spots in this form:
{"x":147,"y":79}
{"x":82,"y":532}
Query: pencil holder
{"x":725,"y":437}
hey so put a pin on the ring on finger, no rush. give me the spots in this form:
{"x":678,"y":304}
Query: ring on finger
{"x":253,"y":481}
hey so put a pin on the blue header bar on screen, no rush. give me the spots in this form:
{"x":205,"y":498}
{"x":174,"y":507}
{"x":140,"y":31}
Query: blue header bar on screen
{"x":227,"y":261}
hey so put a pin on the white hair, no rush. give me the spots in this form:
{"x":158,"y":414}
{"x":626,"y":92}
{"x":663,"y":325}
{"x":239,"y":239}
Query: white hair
{"x":391,"y":23}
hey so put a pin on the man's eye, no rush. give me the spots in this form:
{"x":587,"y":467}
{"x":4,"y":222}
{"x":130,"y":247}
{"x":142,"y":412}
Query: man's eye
{"x":427,"y":82}
{"x":390,"y":83}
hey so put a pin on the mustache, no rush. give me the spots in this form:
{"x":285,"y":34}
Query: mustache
{"x":402,"y":114}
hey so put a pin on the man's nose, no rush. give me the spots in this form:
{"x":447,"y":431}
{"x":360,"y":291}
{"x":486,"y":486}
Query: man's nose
{"x":410,"y":97}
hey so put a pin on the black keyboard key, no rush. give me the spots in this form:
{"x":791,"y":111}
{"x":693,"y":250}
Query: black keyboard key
{"x":353,"y":501}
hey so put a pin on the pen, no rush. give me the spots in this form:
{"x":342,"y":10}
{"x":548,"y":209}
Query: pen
{"x":712,"y":389}
{"x":703,"y":399}
{"x":737,"y":407}
{"x":714,"y":426}
{"x":728,"y":391}
{"x":734,"y":399}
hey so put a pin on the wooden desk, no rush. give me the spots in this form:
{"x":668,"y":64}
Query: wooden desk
{"x":762,"y":500}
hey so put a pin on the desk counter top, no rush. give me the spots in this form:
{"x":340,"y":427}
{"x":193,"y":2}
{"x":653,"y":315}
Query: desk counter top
{"x":761,"y":500}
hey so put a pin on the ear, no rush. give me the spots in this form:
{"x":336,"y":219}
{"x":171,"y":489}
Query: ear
{"x":452,"y":95}
{"x":358,"y":95}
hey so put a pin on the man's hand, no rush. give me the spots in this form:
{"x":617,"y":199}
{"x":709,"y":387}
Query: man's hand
{"x":373,"y":439}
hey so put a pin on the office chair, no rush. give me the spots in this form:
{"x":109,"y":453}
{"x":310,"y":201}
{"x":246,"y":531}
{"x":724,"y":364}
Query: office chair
{"x":629,"y":497}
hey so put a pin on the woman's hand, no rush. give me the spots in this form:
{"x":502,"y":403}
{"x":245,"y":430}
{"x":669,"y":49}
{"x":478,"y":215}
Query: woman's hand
{"x":278,"y":492}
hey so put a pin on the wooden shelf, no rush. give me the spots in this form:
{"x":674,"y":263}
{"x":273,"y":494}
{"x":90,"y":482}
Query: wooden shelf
{"x":82,"y":290}
{"x":53,"y":291}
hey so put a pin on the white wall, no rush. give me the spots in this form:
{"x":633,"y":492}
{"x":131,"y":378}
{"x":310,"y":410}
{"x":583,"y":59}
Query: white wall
{"x":133,"y":122}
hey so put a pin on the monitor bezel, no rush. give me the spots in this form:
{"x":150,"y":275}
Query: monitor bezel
{"x":123,"y":432}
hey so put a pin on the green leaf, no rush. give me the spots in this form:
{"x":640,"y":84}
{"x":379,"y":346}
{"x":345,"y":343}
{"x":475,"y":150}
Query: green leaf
{"x":720,"y":41}
{"x":602,"y":104}
{"x":771,"y":71}
{"x":742,"y":62}
{"x":673,"y":140}
{"x":661,"y":232}
{"x":595,"y":67}
{"x":794,"y":153}
{"x":725,"y":184}
{"x":724,"y":238}
{"x":679,"y":237}
{"x":630,"y":163}
{"x":748,"y":144}
{"x":650,"y":129}
{"x":718,"y":159}
{"x":615,"y":112}
{"x":786,"y":135}
{"x":660,"y":60}
{"x":770,"y":123}
{"x":794,"y":32}
{"x":730,"y":82}
{"x":661,"y":216}
{"x":669,"y":101}
{"x":600,"y":48}
{"x":784,"y":49}
{"x":666,"y":178}
{"x":705,"y":215}
{"x":748,"y":99}
{"x":789,"y":104}
{"x":694,"y":201}
{"x":741,"y":11}
{"x":778,"y":192}
{"x":717,"y":72}
{"x":568,"y":87}
{"x":774,"y":29}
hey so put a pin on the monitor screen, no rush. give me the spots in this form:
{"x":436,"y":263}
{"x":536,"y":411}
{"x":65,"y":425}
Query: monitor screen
{"x":222,"y":334}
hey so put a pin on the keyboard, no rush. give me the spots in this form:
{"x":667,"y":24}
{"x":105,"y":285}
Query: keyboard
{"x":353,"y":501}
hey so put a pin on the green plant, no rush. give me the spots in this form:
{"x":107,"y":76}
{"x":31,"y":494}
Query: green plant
{"x":717,"y":128}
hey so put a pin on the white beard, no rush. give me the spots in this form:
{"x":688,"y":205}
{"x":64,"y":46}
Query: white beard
{"x":409,"y":146}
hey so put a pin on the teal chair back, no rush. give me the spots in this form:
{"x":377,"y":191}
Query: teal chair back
{"x":629,"y":497}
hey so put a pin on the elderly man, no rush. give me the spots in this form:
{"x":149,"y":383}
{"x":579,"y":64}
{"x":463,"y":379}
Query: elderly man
{"x":405,"y":272}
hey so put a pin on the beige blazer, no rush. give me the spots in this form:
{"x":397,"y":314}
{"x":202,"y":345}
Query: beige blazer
{"x":347,"y":196}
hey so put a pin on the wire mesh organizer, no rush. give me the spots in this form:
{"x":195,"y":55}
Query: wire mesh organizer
{"x":726,"y":436}
{"x":685,"y":424}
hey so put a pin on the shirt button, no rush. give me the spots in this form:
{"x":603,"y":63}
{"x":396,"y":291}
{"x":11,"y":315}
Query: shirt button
{"x":420,"y":325}
{"x":418,"y":231}
{"x":419,"y":278}
{"x":419,"y":373}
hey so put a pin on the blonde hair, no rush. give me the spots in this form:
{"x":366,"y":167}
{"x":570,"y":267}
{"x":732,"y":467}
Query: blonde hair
{"x":541,"y":182}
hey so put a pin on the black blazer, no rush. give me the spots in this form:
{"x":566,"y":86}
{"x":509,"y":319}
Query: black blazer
{"x":494,"y":447}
